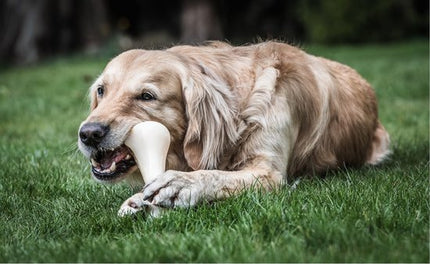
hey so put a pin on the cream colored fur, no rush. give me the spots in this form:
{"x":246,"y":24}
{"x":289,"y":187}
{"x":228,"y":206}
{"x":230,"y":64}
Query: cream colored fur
{"x":240,"y":117}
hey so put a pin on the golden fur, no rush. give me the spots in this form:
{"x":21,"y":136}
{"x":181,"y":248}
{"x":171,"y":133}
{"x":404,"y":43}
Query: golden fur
{"x":238,"y":115}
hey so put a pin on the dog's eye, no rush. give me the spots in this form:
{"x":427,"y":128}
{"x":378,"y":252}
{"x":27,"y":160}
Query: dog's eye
{"x":147,"y":96}
{"x":100,"y":90}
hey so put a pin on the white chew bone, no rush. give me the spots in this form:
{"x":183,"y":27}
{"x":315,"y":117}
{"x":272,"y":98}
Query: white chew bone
{"x":150,"y":143}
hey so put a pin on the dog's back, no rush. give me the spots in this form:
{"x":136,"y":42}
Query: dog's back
{"x":334,"y":108}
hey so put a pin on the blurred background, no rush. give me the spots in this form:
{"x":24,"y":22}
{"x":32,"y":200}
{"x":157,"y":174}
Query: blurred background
{"x":32,"y":30}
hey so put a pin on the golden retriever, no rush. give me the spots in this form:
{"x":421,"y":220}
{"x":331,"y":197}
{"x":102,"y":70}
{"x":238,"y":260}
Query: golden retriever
{"x":238,"y":116}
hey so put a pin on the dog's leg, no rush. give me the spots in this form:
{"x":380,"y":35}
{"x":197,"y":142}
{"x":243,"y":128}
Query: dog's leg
{"x":186,"y":189}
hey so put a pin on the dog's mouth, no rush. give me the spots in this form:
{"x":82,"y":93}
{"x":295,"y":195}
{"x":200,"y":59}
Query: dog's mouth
{"x":108,"y":165}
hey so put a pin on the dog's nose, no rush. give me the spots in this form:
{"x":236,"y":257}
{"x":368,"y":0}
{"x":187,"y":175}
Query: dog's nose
{"x":92,"y":134}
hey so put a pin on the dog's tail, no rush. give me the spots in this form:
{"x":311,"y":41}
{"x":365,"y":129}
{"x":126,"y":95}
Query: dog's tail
{"x":380,"y":146}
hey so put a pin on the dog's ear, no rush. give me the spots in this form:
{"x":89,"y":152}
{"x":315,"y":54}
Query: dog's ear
{"x":211,"y":112}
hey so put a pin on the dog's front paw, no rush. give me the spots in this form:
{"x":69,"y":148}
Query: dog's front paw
{"x":132,"y":205}
{"x":136,"y":203}
{"x":174,"y":189}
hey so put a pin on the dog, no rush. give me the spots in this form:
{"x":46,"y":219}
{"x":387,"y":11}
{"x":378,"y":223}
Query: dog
{"x":256,"y":115}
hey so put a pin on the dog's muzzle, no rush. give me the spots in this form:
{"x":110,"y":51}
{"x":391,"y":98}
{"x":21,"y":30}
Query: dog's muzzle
{"x":107,"y":164}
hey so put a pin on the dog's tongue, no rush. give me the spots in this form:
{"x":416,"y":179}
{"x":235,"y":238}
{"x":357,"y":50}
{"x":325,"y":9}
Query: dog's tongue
{"x":106,"y":158}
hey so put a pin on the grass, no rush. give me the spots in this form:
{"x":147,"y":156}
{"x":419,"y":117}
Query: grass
{"x":52,"y":211}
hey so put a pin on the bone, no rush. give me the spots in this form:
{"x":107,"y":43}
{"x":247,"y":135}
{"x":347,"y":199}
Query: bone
{"x":150,"y":143}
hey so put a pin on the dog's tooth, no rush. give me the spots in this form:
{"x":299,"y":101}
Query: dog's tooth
{"x":112,"y":167}
{"x":94,"y":163}
{"x":128,"y":157}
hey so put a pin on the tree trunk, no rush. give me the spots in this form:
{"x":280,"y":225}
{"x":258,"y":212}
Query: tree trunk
{"x":199,"y":21}
{"x":22,"y":27}
{"x":93,"y":24}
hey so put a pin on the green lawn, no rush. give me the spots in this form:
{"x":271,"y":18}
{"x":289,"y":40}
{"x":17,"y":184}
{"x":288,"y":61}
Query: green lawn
{"x":52,"y":211}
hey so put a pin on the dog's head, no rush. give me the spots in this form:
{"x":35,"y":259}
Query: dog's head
{"x":160,"y":86}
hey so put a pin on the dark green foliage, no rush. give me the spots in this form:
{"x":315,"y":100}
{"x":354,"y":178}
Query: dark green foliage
{"x":363,"y":21}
